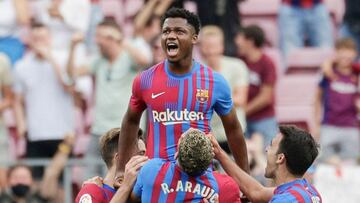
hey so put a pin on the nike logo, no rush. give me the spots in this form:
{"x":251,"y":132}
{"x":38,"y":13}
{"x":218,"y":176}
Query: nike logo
{"x":153,"y":96}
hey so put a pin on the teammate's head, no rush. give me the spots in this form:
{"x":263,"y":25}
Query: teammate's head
{"x":108,"y":35}
{"x":293,"y":149}
{"x":109,"y":146}
{"x":211,"y":41}
{"x":19,"y":179}
{"x":346,"y":52}
{"x":195,"y":152}
{"x":249,"y":37}
{"x":180,"y":29}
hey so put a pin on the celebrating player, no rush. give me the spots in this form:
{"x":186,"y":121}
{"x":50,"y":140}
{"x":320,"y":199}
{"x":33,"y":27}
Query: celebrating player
{"x":179,"y":93}
{"x":108,"y":146}
{"x":289,"y":156}
{"x":189,"y":179}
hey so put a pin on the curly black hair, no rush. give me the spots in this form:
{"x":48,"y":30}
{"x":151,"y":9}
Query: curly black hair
{"x":191,"y":18}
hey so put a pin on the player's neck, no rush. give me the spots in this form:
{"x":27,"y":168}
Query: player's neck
{"x":285,"y":176}
{"x":110,"y":176}
{"x":182,"y":66}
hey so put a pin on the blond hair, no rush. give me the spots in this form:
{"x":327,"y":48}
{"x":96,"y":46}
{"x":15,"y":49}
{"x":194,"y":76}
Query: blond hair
{"x":212,"y":30}
{"x":346,"y":43}
{"x":195,"y":152}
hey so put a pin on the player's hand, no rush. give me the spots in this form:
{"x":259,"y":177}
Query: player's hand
{"x":132,"y":169}
{"x":97,"y":180}
{"x":216,"y":147}
{"x":216,"y":200}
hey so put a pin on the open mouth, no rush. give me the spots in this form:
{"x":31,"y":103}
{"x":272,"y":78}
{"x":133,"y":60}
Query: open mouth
{"x":172,"y":49}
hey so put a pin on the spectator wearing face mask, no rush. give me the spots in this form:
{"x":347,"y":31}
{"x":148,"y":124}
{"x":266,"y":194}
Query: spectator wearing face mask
{"x":21,"y":183}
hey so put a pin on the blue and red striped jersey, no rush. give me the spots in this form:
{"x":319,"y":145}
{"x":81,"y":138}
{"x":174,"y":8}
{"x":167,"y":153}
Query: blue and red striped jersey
{"x":95,"y":194}
{"x":298,"y":191}
{"x":175,"y":103}
{"x":163,"y":181}
{"x":302,"y":3}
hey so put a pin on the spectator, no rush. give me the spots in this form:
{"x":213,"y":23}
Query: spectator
{"x":337,"y":106}
{"x":224,"y":14}
{"x":158,"y":54}
{"x":303,"y":20}
{"x":147,"y":26}
{"x":351,"y":22}
{"x":260,"y":113}
{"x":113,"y":71}
{"x":21,"y":184}
{"x":6,"y":101}
{"x":189,"y":179}
{"x":109,"y":146}
{"x":64,"y":18}
{"x":96,"y":16}
{"x":46,"y":97}
{"x":234,"y":71}
{"x":14,"y":14}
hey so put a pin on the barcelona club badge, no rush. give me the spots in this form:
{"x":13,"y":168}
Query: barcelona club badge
{"x":202,"y":95}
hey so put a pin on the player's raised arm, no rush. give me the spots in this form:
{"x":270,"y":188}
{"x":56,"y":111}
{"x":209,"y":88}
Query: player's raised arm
{"x":248,"y":185}
{"x":236,"y":139}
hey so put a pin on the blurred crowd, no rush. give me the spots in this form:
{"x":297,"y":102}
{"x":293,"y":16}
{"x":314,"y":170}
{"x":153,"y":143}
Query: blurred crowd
{"x":66,"y":71}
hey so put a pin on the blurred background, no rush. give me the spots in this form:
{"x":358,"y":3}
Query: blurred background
{"x":63,"y":85}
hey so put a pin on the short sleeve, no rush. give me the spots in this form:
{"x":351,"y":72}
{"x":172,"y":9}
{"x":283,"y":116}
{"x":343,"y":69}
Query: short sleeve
{"x":89,"y":193}
{"x":269,"y":72}
{"x":136,"y":100}
{"x":138,"y":187}
{"x":324,"y":82}
{"x":243,"y":74}
{"x":222,"y":93}
{"x":94,"y":66}
{"x":151,"y":167}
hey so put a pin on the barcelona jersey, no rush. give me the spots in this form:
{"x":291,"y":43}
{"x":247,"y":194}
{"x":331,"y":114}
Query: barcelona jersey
{"x":174,"y":103}
{"x":95,"y":194}
{"x":298,"y":191}
{"x":163,"y":181}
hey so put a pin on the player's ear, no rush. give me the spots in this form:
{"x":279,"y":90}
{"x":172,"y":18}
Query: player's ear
{"x":195,"y":38}
{"x":280,"y":158}
{"x":115,"y":158}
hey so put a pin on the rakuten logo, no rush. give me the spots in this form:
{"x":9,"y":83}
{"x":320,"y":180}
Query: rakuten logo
{"x":169,"y":117}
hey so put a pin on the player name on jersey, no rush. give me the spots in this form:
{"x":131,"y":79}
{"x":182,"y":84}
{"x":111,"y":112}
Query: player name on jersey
{"x":202,"y":190}
{"x":170,"y":117}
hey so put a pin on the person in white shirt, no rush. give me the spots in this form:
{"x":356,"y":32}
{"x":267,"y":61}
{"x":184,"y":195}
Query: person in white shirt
{"x":44,"y":107}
